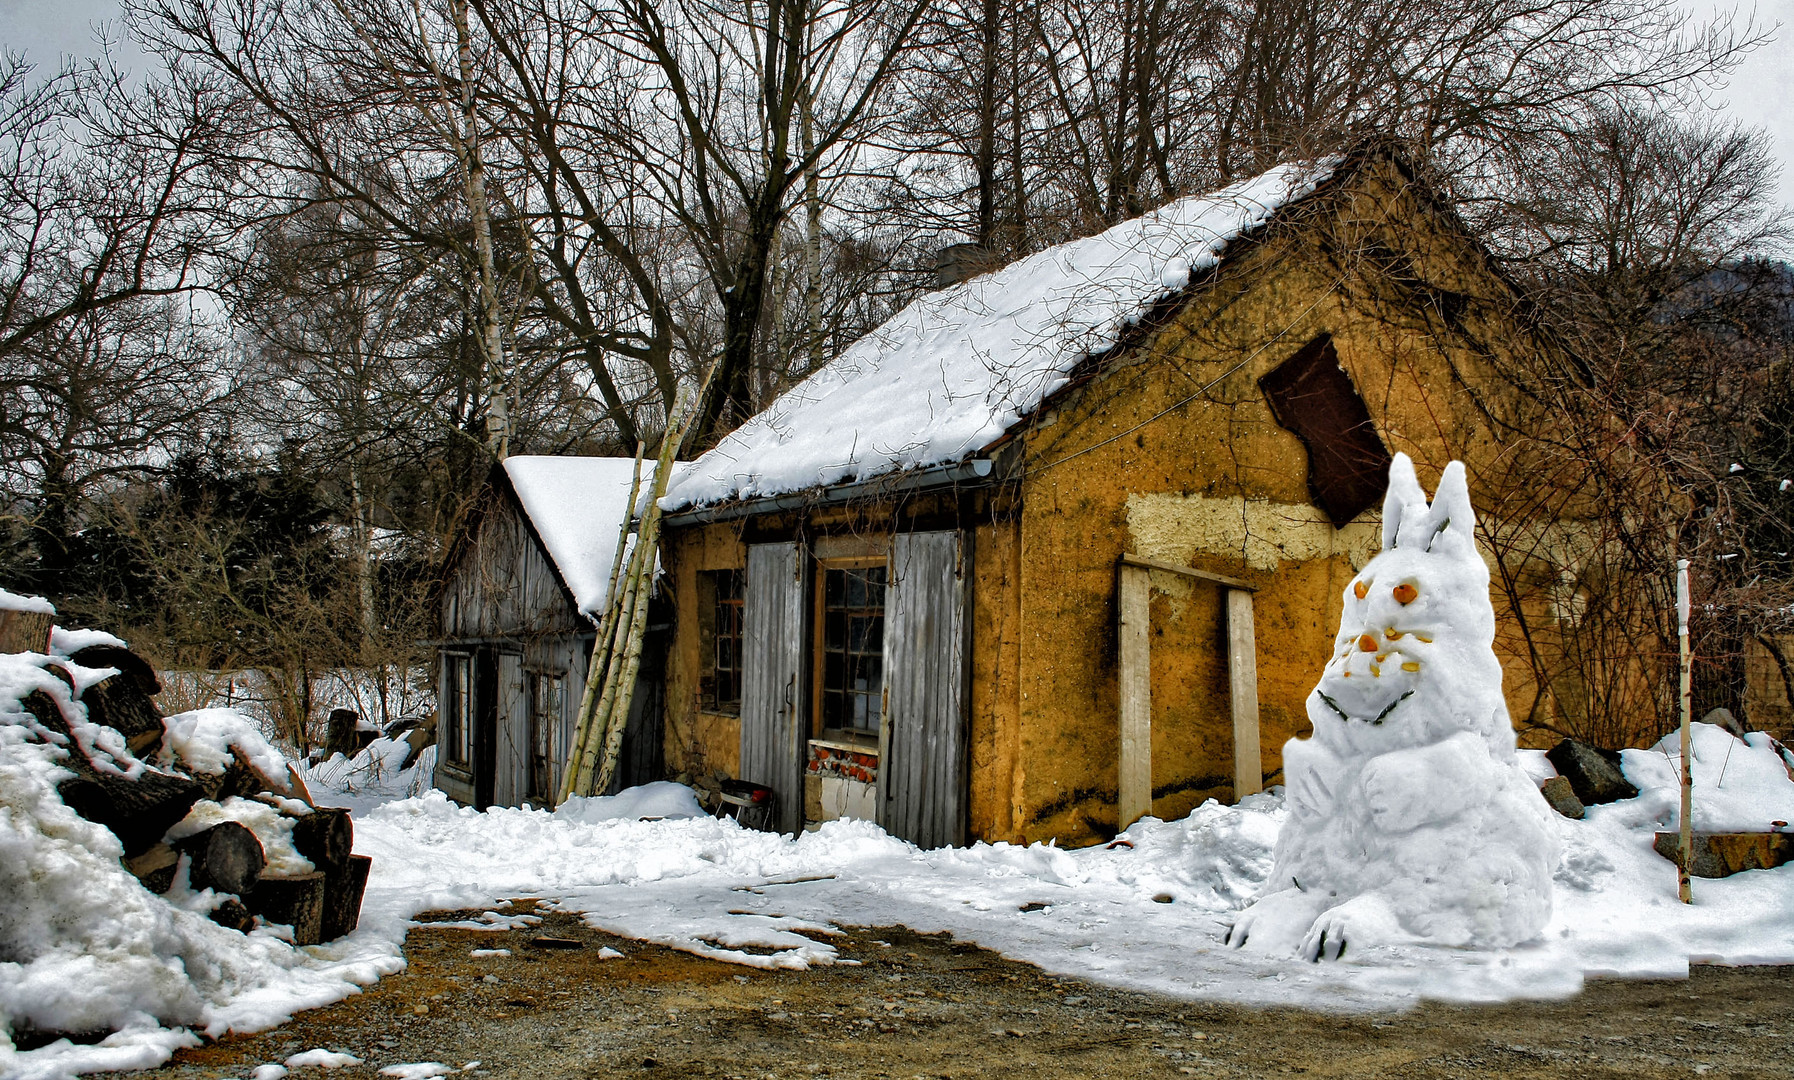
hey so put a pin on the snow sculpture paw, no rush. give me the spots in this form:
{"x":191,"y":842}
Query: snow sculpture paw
{"x":1409,"y":816}
{"x":1276,"y":923}
{"x":1362,"y":921}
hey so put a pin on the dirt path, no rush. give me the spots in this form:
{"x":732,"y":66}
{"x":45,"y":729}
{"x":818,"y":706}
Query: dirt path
{"x":923,"y":1006}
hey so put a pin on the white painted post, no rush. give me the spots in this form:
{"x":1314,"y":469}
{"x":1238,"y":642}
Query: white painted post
{"x":1682,"y":608}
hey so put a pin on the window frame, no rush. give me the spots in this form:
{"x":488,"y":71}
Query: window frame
{"x":541,"y":728}
{"x":864,"y":740}
{"x":457,"y":718}
{"x":711,"y":607}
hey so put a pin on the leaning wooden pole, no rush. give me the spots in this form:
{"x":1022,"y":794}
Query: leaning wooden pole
{"x":605,"y":636}
{"x":604,"y":735}
{"x":649,"y":538}
{"x":1682,"y":610}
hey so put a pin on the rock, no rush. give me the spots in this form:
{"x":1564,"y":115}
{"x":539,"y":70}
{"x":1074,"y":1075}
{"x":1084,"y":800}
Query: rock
{"x":1718,"y":855}
{"x":1593,"y":774}
{"x":1561,"y":795}
{"x":1722,"y":717}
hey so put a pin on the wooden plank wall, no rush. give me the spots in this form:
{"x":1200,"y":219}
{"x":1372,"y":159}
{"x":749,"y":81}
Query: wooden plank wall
{"x":772,"y":652}
{"x":504,"y":584}
{"x":922,"y":772}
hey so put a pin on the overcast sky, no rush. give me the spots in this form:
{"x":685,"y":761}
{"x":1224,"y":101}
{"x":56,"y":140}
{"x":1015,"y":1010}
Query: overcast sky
{"x":1762,"y":93}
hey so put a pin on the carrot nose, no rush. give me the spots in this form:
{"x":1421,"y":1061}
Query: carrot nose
{"x":1367,"y":644}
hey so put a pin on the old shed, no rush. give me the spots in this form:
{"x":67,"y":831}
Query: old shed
{"x":1064,"y":544}
{"x":521,"y":589}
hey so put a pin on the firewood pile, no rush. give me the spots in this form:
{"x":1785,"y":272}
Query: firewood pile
{"x":226,"y":791}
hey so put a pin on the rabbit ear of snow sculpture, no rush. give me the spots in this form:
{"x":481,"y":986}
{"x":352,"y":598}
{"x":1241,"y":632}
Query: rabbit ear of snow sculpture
{"x":1409,"y":817}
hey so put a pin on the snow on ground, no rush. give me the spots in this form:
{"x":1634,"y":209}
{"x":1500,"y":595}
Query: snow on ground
{"x":1095,"y":913}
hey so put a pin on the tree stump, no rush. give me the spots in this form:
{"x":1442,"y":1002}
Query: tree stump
{"x":226,"y":858}
{"x":296,"y":901}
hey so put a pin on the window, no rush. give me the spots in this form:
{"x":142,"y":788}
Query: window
{"x":547,"y":700}
{"x":720,"y":594}
{"x":457,"y":711}
{"x":850,"y":649}
{"x":1311,"y":395}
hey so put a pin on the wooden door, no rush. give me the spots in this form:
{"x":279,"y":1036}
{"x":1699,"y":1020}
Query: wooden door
{"x":510,"y":768}
{"x":922,"y":764}
{"x":772,"y":646}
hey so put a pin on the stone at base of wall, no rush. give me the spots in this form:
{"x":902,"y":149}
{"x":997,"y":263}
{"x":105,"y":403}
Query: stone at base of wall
{"x":1719,"y":855}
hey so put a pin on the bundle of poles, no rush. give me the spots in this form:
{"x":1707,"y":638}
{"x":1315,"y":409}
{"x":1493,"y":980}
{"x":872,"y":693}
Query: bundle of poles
{"x":617,"y":649}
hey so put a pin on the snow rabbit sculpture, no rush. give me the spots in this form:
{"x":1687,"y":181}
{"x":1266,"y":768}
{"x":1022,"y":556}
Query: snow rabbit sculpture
{"x":1409,"y":816}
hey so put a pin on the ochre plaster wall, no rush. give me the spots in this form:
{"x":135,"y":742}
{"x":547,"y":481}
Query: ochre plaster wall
{"x":697,"y":741}
{"x":1173,"y":454}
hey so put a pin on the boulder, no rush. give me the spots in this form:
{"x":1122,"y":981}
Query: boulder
{"x":1718,"y":855}
{"x":1562,"y":798}
{"x":1594,"y":774}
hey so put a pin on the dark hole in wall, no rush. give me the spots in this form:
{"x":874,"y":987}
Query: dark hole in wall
{"x":1311,"y":395}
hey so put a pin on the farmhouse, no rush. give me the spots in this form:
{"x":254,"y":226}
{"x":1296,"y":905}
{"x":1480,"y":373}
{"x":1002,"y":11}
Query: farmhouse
{"x":521,"y":590}
{"x":1064,"y":544}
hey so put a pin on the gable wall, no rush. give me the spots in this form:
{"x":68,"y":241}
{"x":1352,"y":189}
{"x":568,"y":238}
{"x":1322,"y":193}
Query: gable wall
{"x":1216,"y":483}
{"x":503,"y":585}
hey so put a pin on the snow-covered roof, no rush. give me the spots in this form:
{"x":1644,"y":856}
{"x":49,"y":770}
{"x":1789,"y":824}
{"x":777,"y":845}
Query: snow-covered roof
{"x":956,"y":369}
{"x":577,"y":505}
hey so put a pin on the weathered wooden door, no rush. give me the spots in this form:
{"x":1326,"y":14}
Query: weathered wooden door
{"x":510,"y":769}
{"x":772,"y":647}
{"x":922,"y":767}
{"x":484,"y":751}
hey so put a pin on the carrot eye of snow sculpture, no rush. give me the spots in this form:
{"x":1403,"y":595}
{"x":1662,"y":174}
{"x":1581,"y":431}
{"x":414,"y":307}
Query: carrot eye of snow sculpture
{"x":1410,"y":819}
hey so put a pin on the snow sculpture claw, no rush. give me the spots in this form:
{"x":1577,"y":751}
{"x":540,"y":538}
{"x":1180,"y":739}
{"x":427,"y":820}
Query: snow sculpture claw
{"x":1409,"y":816}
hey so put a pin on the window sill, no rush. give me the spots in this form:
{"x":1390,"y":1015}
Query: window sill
{"x":845,"y":740}
{"x":721,"y":714}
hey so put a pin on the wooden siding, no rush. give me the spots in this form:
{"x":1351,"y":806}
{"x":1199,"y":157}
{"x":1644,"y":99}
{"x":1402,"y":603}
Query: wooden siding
{"x":772,"y":651}
{"x":922,"y":773}
{"x":503,"y":584}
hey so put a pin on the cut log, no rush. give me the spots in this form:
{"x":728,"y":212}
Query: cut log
{"x":118,"y":701}
{"x":155,"y":868}
{"x":137,"y":811}
{"x":343,"y":890}
{"x":25,"y":631}
{"x":134,"y":667}
{"x":242,"y":779}
{"x":296,"y":901}
{"x":232,"y":915}
{"x":226,"y":858}
{"x":325,"y":836}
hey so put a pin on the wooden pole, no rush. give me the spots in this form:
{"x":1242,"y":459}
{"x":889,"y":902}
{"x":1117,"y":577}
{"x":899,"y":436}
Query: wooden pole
{"x":1242,"y":676}
{"x":1682,"y":609}
{"x":606,"y":634}
{"x":1134,"y":790}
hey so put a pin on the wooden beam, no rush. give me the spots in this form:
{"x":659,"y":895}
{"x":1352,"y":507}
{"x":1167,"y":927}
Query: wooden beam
{"x":1242,"y":676}
{"x":1186,"y":571}
{"x":1134,"y":796}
